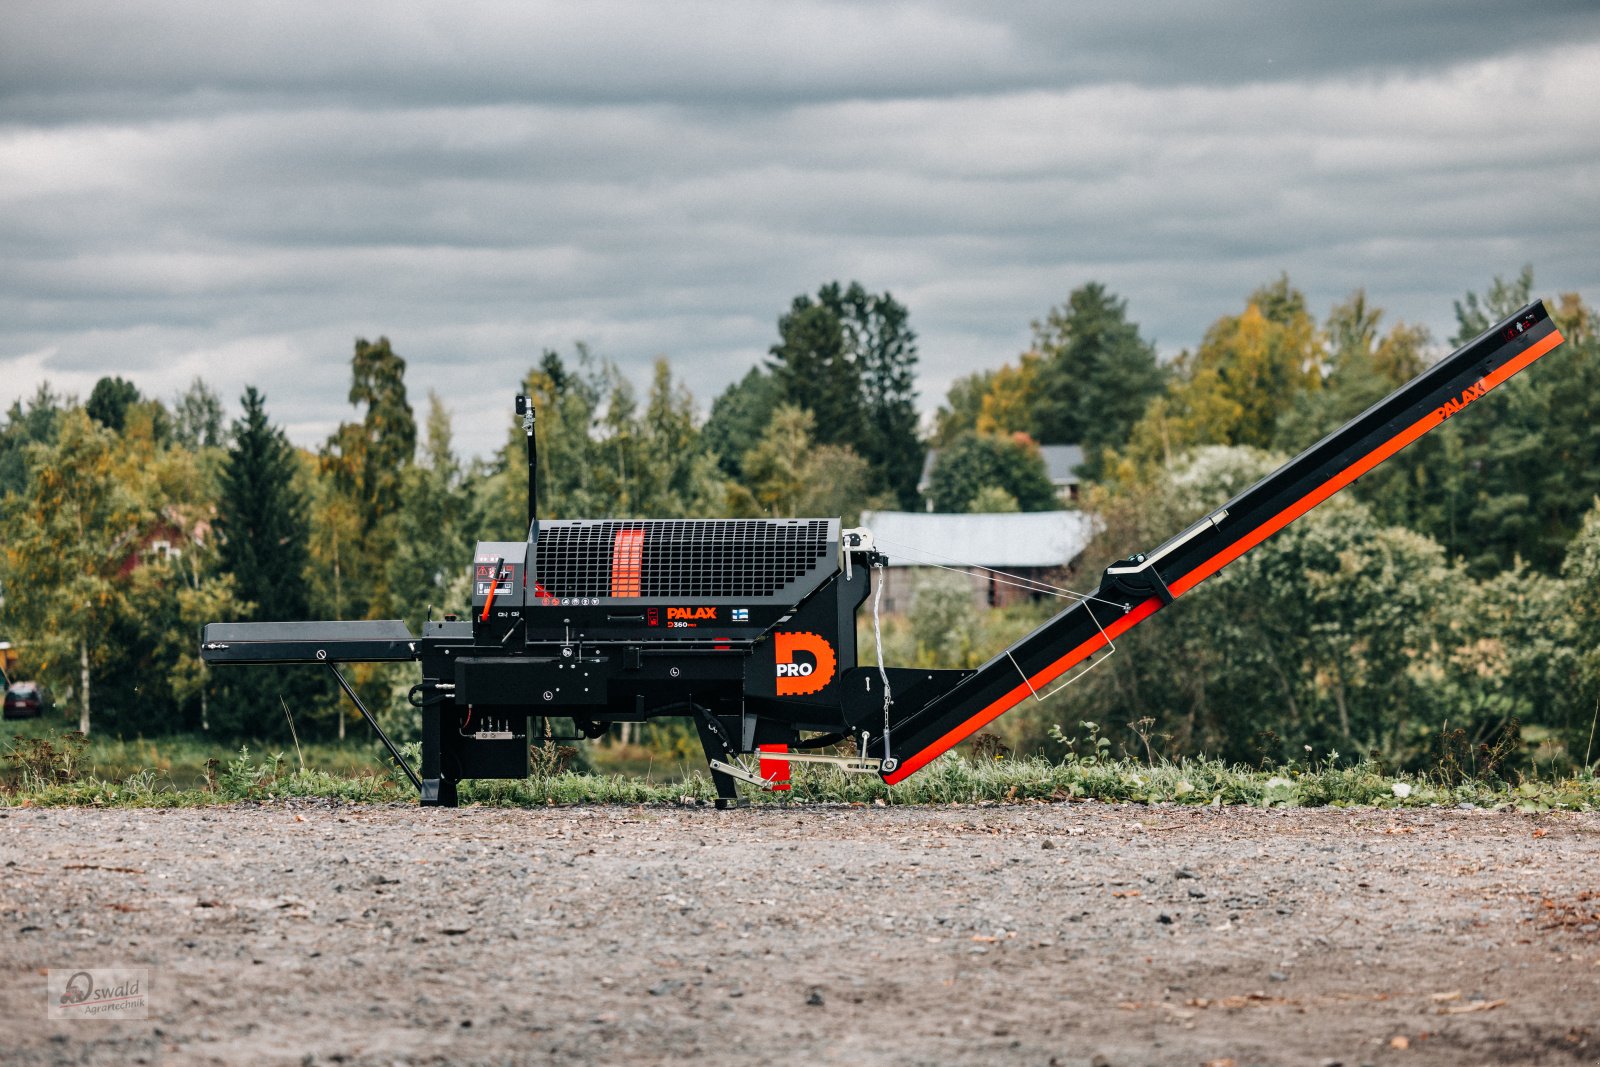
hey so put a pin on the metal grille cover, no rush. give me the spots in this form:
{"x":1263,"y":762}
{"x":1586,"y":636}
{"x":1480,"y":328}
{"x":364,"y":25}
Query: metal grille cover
{"x":697,"y":559}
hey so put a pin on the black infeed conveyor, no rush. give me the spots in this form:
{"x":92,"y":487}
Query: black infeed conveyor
{"x":361,"y":641}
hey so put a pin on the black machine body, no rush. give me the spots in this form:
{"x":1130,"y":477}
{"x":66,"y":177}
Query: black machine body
{"x":748,"y":626}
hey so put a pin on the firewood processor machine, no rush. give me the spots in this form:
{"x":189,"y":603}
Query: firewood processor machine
{"x":748,"y":626}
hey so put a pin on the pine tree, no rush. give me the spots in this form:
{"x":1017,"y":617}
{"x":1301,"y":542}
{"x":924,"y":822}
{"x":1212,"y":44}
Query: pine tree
{"x":264,"y":531}
{"x":1097,"y":375}
{"x":261,"y":517}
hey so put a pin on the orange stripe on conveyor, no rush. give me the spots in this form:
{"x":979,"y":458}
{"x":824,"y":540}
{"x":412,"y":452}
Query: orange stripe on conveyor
{"x":627,"y":554}
{"x":1021,"y":692}
{"x":1350,"y":474}
{"x":1182,"y":585}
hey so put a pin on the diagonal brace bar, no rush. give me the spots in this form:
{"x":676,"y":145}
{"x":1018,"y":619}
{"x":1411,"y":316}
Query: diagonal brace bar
{"x":372,"y":722}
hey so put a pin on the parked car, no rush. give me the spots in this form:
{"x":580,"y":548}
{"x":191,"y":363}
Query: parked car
{"x":26,"y":700}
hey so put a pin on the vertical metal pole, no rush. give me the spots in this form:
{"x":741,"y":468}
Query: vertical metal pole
{"x":526,"y":410}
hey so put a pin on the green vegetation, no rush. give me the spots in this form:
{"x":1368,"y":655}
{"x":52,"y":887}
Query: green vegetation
{"x":979,"y":462}
{"x":55,"y":772}
{"x":1445,"y":601}
{"x":1441,"y":618}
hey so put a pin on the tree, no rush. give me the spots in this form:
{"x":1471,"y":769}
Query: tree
{"x":433,"y":549}
{"x":368,"y":461}
{"x":153,"y":678}
{"x":775,"y":467}
{"x":197,"y":417}
{"x":680,"y":477}
{"x":35,"y":425}
{"x":1514,"y":481}
{"x":877,"y":331}
{"x":1340,"y":632}
{"x":1249,"y":371}
{"x":1010,"y":403}
{"x":962,"y":408}
{"x":334,"y":545}
{"x":651,"y":464}
{"x":109,"y":402}
{"x":974,"y":462}
{"x":816,"y":371}
{"x":603,"y":455}
{"x":567,"y":399}
{"x":850,"y":357}
{"x":1096,"y":377}
{"x":739,"y":416}
{"x":68,"y":535}
{"x":261,"y":517}
{"x":790,"y":475}
{"x":993,"y":499}
{"x":1364,"y":367}
{"x":264,"y":533}
{"x":1581,"y":571}
{"x":1475,"y":314}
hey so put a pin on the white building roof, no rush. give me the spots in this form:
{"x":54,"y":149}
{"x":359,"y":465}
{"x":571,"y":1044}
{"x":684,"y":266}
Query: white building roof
{"x":1012,"y":539}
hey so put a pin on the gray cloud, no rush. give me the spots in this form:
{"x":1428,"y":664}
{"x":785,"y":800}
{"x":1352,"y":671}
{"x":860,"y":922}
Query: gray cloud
{"x":718,"y":53}
{"x":191,"y":190}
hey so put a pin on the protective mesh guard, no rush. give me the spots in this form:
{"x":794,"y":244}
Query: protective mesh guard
{"x":681,"y":559}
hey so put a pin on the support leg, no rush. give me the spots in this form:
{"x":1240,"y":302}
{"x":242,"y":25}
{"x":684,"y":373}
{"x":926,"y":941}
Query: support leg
{"x":438,"y":790}
{"x":715,"y":741}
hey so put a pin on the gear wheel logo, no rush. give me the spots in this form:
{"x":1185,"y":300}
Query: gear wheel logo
{"x":806,"y":663}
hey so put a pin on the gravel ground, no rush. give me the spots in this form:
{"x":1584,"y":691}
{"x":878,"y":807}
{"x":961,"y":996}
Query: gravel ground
{"x":316,"y":933}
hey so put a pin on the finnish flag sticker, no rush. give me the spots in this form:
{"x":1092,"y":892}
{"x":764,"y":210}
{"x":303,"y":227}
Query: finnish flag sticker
{"x":741,"y":614}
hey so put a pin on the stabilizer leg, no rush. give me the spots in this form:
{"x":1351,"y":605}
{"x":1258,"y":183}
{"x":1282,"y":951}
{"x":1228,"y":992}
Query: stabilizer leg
{"x":438,"y":789}
{"x":714,"y":739}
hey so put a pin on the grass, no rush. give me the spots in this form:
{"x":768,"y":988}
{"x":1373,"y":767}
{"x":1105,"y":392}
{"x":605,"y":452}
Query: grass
{"x":179,"y":760}
{"x":54,"y":772}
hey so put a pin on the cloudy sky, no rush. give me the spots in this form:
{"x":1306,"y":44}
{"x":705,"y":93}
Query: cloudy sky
{"x":238,"y":191}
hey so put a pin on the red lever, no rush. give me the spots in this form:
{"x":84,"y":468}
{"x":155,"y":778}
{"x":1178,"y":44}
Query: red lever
{"x":494,"y":583}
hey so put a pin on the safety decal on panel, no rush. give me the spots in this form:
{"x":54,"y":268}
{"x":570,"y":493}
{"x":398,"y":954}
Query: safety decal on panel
{"x":806,"y":662}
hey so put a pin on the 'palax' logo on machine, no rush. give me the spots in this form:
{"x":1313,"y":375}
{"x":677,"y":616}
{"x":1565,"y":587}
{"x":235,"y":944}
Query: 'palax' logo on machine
{"x":1468,"y":395}
{"x":805,"y":663}
{"x":691,"y":614}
